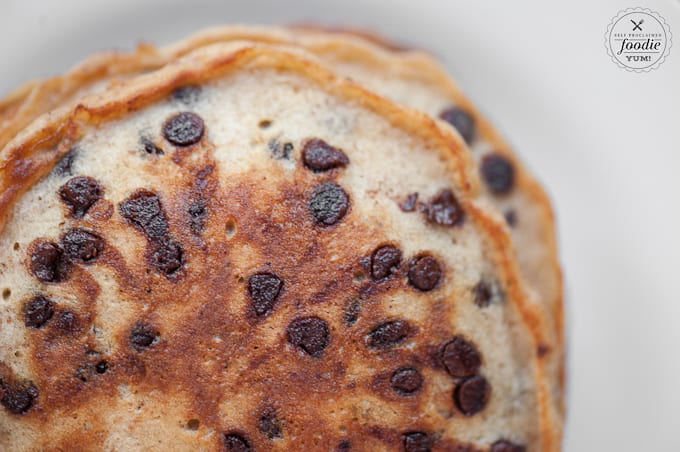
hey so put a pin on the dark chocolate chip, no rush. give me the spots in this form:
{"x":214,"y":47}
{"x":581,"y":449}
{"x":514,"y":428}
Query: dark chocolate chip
{"x":483,"y":294}
{"x":80,"y":244}
{"x":142,"y":335}
{"x":498,"y":173}
{"x":460,"y":357}
{"x":38,"y":311}
{"x":443,"y":208}
{"x":184,"y":129}
{"x":310,"y":334}
{"x":235,"y":442}
{"x":406,"y":380}
{"x":150,"y":147}
{"x":471,"y":395}
{"x":280,"y":151}
{"x":507,"y":446}
{"x":198,"y":211}
{"x":187,"y":94}
{"x":417,"y":442}
{"x":388,"y":334}
{"x":48,"y":262}
{"x":79,"y":194}
{"x":64,"y":166}
{"x":167,"y":255}
{"x":101,"y":367}
{"x":350,"y":313}
{"x":328,"y":204}
{"x":344,"y":445}
{"x":18,"y":398}
{"x":511,"y":218}
{"x":67,"y":322}
{"x":385,"y":262}
{"x":424,"y":272}
{"x":409,"y":204}
{"x":318,"y":155}
{"x":264,"y":289}
{"x":463,"y":122}
{"x":269,"y":423}
{"x":143,"y":209}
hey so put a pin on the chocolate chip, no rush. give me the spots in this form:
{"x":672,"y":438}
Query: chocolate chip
{"x":142,"y":335}
{"x":409,"y":204}
{"x":269,"y":423}
{"x":67,"y":322}
{"x":388,"y":334}
{"x":385,"y":262}
{"x":18,"y":398}
{"x":443,"y":208}
{"x":101,"y":367}
{"x":310,"y":334}
{"x":350,"y":313}
{"x":328,"y":204}
{"x":344,"y":445}
{"x":184,"y":129}
{"x":48,"y":262}
{"x":463,"y":122}
{"x":82,"y":245}
{"x":187,"y":94}
{"x":417,"y":442}
{"x":424,"y":272}
{"x":197,"y":211}
{"x":507,"y":446}
{"x":143,"y":209}
{"x":234,"y":442}
{"x":471,"y":395}
{"x":406,"y":380}
{"x":483,"y":294}
{"x":318,"y":155}
{"x":498,"y":173}
{"x":280,"y":151}
{"x":79,"y":194}
{"x":150,"y":147}
{"x":511,"y":218}
{"x":264,"y":289}
{"x":38,"y":311}
{"x":167,"y":255}
{"x":460,"y":357}
{"x":64,"y":166}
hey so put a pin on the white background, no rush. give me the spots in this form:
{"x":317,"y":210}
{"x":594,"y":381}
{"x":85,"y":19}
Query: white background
{"x":605,"y":142}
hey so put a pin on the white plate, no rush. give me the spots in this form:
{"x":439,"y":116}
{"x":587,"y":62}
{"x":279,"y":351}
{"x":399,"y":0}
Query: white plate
{"x":606,"y":142}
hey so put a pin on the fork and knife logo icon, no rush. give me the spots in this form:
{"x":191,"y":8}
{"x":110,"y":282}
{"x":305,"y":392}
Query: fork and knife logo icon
{"x":636,"y":26}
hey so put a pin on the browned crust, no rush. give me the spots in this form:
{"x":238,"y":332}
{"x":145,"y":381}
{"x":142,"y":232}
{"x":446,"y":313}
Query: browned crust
{"x":25,"y":160}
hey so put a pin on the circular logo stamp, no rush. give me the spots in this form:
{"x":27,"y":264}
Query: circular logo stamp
{"x":638,"y":39}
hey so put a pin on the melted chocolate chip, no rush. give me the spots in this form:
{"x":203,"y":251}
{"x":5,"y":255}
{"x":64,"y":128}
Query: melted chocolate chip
{"x":460,"y":357}
{"x":143,"y":209}
{"x":101,"y":367}
{"x":385,"y":262}
{"x":269,"y":423}
{"x":64,"y":166}
{"x":350,"y":313}
{"x":80,"y":244}
{"x":264,"y":289}
{"x":310,"y":334}
{"x":424,"y":272}
{"x":409,"y":204}
{"x":280,"y":151}
{"x":79,"y":194}
{"x":142,"y":335}
{"x":463,"y":122}
{"x":443,"y":208}
{"x":150,"y":147}
{"x":344,"y":445}
{"x":483,"y":294}
{"x":417,"y":442}
{"x":18,"y":398}
{"x":234,"y":442}
{"x":38,"y":311}
{"x":184,"y":129}
{"x":328,"y":204}
{"x":388,"y":334}
{"x":197,"y":211}
{"x":187,"y":94}
{"x":507,"y":446}
{"x":471,"y":395}
{"x":167,"y":255}
{"x":406,"y":380}
{"x":48,"y":262}
{"x":498,"y":173}
{"x":318,"y":156}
